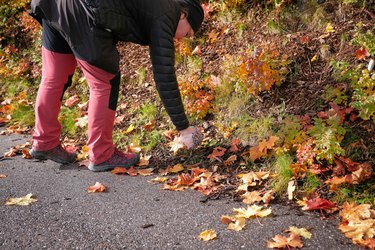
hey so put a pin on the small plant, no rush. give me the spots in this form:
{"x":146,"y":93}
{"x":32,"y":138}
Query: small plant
{"x":283,"y":172}
{"x":328,"y":135}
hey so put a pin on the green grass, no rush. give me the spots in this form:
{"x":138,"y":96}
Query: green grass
{"x":283,"y":173}
{"x":23,"y":115}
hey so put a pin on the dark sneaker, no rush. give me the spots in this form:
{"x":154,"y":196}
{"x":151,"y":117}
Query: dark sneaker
{"x":57,"y":154}
{"x":118,"y":159}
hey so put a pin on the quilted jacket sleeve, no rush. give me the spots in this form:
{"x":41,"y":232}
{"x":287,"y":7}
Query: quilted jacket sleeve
{"x":162,"y":57}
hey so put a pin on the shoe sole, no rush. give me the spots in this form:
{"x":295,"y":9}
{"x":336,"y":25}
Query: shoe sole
{"x":103,"y":168}
{"x":42,"y":156}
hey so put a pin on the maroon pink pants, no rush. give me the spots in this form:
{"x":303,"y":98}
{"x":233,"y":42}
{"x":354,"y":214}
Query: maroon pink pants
{"x":57,"y":68}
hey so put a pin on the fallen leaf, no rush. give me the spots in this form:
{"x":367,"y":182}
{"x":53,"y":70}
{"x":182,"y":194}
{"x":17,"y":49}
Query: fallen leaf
{"x":361,"y":53}
{"x":320,"y":204}
{"x":146,"y":172}
{"x":231,"y":160}
{"x":12,"y":152}
{"x":314,"y":58}
{"x":251,"y":197}
{"x":237,"y":225}
{"x":176,"y":145}
{"x":97,"y":188}
{"x":252,"y":211}
{"x":129,"y":129}
{"x":22,"y":201}
{"x":82,"y":122}
{"x":291,"y":189}
{"x":159,"y":180}
{"x":2,"y":176}
{"x":132,"y":171}
{"x":144,"y":160}
{"x":299,"y":231}
{"x":233,"y":147}
{"x":207,"y":235}
{"x":71,"y":101}
{"x":280,"y":241}
{"x":119,"y":170}
{"x":216,"y":153}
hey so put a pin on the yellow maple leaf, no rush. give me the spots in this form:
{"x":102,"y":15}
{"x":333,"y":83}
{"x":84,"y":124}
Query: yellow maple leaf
{"x":251,"y":197}
{"x":207,"y":235}
{"x":252,"y":211}
{"x":299,"y":231}
{"x":21,"y":201}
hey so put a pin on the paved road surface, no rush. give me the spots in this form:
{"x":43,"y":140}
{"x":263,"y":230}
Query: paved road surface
{"x":133,"y":214}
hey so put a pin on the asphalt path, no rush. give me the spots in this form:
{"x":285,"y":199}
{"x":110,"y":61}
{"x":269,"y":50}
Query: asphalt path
{"x":132,"y":214}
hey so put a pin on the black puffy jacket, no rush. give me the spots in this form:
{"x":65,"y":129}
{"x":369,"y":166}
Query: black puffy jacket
{"x":92,"y":28}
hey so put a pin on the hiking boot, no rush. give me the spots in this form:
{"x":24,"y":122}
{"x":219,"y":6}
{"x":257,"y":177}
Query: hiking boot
{"x":57,"y":154}
{"x":118,"y":159}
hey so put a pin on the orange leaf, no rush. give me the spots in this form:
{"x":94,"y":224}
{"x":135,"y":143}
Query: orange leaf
{"x":230,"y":160}
{"x":256,"y":154}
{"x":217,"y":152}
{"x":145,"y":172}
{"x":97,"y":188}
{"x":119,"y":170}
{"x":12,"y":152}
{"x":361,"y":53}
{"x":132,"y":171}
{"x":26,"y":154}
{"x":280,"y":241}
{"x":233,"y":147}
{"x":71,"y":101}
{"x":2,"y":176}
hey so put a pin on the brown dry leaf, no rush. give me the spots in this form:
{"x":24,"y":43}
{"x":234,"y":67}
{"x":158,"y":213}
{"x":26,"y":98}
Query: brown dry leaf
{"x":283,"y":242}
{"x":134,"y":148}
{"x":207,"y":235}
{"x":97,"y":188}
{"x":267,"y":197}
{"x":26,"y":154}
{"x":170,"y":134}
{"x":233,"y":147}
{"x":172,"y":170}
{"x":159,"y":180}
{"x":216,"y":153}
{"x":231,"y":160}
{"x":176,"y":145}
{"x":2,"y":176}
{"x":335,"y":181}
{"x":256,"y":153}
{"x":237,"y":225}
{"x":264,"y":145}
{"x":358,"y":222}
{"x":21,"y":201}
{"x":225,"y":219}
{"x":144,"y":160}
{"x":251,"y":197}
{"x":197,"y":50}
{"x":12,"y":152}
{"x":146,"y":172}
{"x":149,"y":126}
{"x":299,"y":231}
{"x":119,"y":170}
{"x":71,"y":101}
{"x":132,"y":171}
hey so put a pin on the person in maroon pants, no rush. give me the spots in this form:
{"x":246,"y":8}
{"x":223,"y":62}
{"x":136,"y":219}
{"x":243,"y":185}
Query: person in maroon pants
{"x":85,"y":33}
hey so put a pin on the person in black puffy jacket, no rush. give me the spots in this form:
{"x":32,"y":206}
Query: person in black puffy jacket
{"x":85,"y":33}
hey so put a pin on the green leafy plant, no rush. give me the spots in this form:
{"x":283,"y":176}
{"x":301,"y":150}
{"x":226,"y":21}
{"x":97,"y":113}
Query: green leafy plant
{"x":328,"y":135}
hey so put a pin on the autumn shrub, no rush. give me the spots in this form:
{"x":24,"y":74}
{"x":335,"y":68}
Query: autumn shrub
{"x":197,"y":95}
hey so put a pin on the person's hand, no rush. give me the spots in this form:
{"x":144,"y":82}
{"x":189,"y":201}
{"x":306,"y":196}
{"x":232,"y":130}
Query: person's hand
{"x":191,"y":137}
